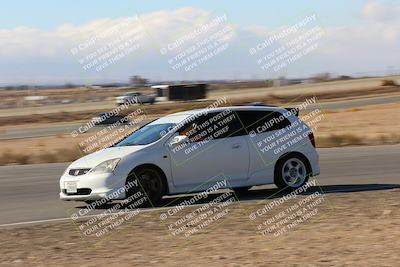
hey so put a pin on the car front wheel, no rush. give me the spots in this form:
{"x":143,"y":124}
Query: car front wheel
{"x":150,"y":184}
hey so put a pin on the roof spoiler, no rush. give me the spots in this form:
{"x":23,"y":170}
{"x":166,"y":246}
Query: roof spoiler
{"x":259,"y":104}
{"x":294,"y":111}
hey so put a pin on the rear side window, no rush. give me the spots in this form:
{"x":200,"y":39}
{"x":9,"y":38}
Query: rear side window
{"x":262,"y":121}
{"x":215,"y":125}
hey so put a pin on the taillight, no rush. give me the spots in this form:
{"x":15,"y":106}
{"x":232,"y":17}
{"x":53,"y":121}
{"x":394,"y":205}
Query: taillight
{"x":312,"y":139}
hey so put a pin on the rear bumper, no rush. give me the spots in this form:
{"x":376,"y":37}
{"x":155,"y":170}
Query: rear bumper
{"x":314,"y":162}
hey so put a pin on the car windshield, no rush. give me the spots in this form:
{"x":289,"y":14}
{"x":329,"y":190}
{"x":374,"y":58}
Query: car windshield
{"x":131,"y":94}
{"x":147,"y":134}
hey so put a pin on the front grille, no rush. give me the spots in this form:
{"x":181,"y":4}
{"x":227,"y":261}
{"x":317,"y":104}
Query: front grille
{"x":77,"y":172}
{"x":80,"y":191}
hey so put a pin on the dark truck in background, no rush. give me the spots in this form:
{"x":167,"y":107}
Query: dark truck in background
{"x":181,"y":92}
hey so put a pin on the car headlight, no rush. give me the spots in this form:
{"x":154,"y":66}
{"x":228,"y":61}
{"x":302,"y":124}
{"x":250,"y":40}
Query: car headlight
{"x":107,"y":166}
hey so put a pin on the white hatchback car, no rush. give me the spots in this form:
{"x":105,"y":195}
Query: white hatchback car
{"x":193,"y":150}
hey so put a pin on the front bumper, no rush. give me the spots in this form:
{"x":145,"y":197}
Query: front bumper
{"x":93,"y":187}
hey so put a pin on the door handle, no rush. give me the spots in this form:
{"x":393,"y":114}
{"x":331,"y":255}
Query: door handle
{"x":234,"y":146}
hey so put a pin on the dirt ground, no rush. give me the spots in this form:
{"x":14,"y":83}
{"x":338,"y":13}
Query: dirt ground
{"x":348,"y":229}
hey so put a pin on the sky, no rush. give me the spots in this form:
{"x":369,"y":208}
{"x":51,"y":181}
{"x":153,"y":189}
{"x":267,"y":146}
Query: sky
{"x":54,"y":42}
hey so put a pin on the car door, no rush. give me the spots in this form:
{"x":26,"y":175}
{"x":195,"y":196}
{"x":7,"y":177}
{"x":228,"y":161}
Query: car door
{"x":214,"y":149}
{"x":262,"y":128}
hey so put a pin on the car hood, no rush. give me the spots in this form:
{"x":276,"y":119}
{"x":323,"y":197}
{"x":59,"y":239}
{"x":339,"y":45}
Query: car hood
{"x":92,"y":160}
{"x":122,"y":97}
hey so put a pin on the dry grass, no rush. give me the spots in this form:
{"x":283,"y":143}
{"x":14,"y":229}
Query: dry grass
{"x":368,"y":123}
{"x":341,"y":140}
{"x":389,"y":83}
{"x":60,"y":155}
{"x":47,"y":118}
{"x":59,"y":148}
{"x":338,"y":140}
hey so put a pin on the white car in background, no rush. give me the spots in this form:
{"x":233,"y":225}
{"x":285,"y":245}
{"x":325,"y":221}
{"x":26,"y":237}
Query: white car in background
{"x":135,"y":98}
{"x":175,"y":154}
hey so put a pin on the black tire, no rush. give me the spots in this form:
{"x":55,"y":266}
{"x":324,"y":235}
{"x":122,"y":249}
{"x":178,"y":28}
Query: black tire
{"x":241,"y":190}
{"x":150,"y":183}
{"x":291,"y":172}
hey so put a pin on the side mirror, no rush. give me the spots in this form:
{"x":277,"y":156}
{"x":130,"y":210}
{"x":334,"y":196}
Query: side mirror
{"x":179,"y":139}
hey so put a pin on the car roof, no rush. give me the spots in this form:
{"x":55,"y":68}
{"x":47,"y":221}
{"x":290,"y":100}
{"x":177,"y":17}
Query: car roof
{"x":234,"y":108}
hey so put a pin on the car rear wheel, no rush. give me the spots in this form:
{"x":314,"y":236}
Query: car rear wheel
{"x":291,"y":172}
{"x":150,"y":184}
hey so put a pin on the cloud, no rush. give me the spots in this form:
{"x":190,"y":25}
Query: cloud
{"x":39,"y":50}
{"x":381,"y":12}
{"x":24,"y":41}
{"x":30,"y":54}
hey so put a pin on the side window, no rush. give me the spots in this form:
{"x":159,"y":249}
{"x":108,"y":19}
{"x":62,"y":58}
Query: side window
{"x":194,"y":129}
{"x":226,"y":124}
{"x":262,"y":121}
{"x":212,"y":126}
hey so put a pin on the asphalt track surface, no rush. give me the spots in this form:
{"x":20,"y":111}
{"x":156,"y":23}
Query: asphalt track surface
{"x":53,"y":130}
{"x":29,"y":193}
